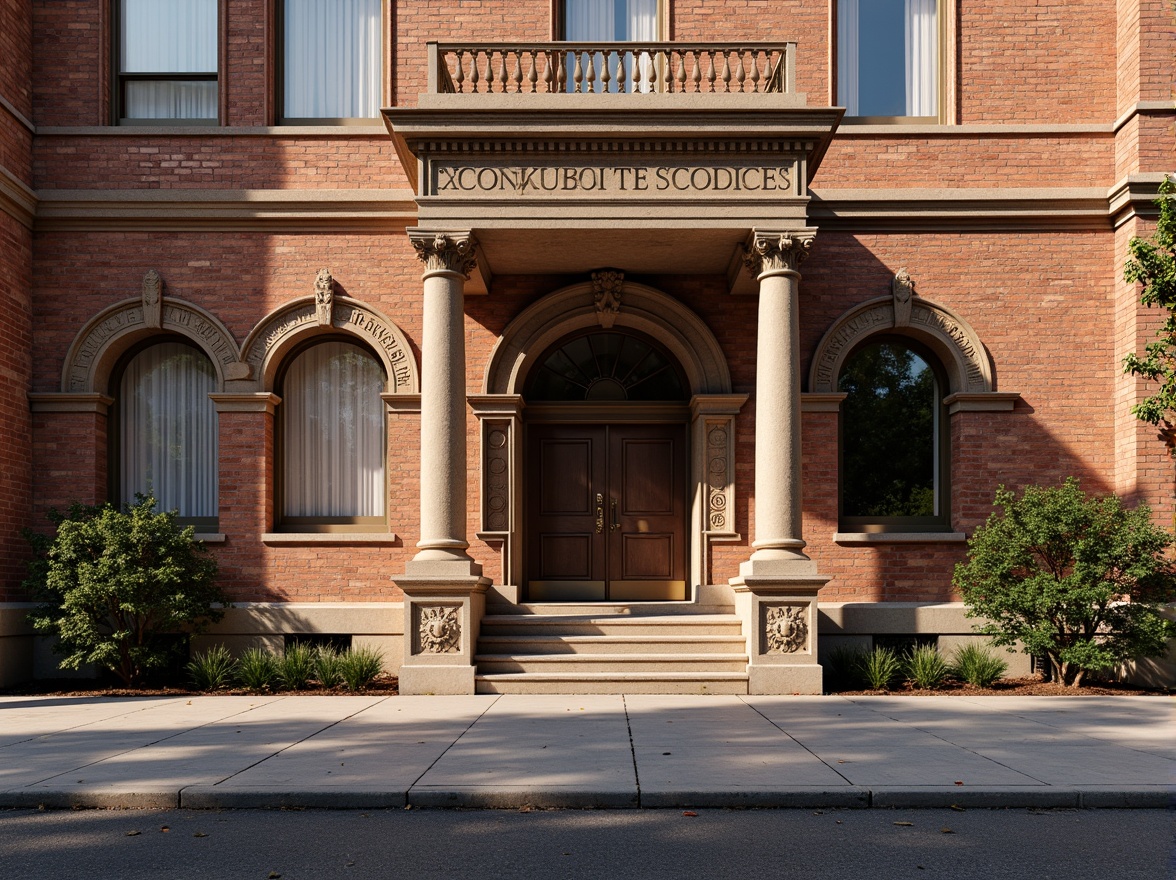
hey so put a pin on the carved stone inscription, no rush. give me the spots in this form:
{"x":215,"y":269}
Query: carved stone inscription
{"x":785,"y":629}
{"x":491,"y":180}
{"x":717,"y":476}
{"x":438,"y":629}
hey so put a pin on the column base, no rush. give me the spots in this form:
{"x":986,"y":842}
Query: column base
{"x":442,"y":616}
{"x":779,"y":614}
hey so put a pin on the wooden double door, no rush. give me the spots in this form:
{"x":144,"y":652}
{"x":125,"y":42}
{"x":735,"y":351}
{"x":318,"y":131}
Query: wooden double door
{"x":606,"y":512}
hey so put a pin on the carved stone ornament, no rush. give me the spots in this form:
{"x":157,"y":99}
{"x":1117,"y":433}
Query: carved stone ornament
{"x":786,"y":629}
{"x":438,"y":629}
{"x":902,"y":289}
{"x":777,"y":251}
{"x":324,"y":297}
{"x":152,"y":299}
{"x":607,"y":286}
{"x":446,"y":253}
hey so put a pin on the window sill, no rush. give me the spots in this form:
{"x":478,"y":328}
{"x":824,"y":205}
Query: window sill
{"x":900,"y":538}
{"x":209,"y":537}
{"x":314,"y":538}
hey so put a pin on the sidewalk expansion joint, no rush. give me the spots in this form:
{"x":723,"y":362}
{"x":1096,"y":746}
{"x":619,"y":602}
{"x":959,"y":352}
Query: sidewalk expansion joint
{"x":433,"y":763}
{"x":756,"y":710}
{"x":632,"y":749}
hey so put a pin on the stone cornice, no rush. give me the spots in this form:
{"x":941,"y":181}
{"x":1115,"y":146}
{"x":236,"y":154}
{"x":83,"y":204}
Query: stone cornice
{"x":851,"y":129}
{"x":196,"y":209}
{"x":1145,"y":108}
{"x":17,"y":115}
{"x":16,"y":199}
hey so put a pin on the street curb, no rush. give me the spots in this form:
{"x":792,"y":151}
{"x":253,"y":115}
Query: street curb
{"x":1129,"y":797}
{"x":788,"y":798}
{"x":516,"y":797}
{"x":213,"y":797}
{"x":88,"y":799}
{"x":982,"y":796}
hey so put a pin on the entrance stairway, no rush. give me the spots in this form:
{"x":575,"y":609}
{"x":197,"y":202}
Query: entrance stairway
{"x":639,"y":648}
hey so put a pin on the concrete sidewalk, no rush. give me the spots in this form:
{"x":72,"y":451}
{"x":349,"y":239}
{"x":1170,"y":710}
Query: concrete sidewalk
{"x":587,"y":751}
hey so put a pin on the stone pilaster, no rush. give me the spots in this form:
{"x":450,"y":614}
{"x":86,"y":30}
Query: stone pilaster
{"x":776,"y":590}
{"x":444,"y":591}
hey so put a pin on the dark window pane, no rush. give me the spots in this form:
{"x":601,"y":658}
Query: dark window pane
{"x":889,"y":431}
{"x":606,"y":366}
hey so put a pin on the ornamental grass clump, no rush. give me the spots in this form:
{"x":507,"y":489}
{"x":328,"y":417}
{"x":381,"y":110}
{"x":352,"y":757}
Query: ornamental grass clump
{"x":925,"y":667}
{"x":296,"y":666}
{"x":328,"y":667}
{"x":880,"y":667}
{"x":977,"y":666}
{"x":1081,"y":581}
{"x":117,"y":585}
{"x":257,"y":670}
{"x":213,"y":670}
{"x":359,"y":667}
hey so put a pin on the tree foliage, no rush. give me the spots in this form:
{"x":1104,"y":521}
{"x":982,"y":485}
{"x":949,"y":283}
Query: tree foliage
{"x":1078,"y":580}
{"x":115,"y":582}
{"x":1153,"y":264}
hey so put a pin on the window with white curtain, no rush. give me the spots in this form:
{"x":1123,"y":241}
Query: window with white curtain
{"x":888,"y":57}
{"x":332,"y":435}
{"x":167,"y":432}
{"x":609,"y":21}
{"x":331,"y":59}
{"x":167,"y":60}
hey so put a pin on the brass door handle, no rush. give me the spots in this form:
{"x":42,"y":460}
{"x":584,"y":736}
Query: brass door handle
{"x":616,"y":523}
{"x":599,"y":513}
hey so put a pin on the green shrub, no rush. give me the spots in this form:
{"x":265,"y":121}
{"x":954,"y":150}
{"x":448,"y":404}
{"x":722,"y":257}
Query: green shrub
{"x":880,"y":667}
{"x":359,"y":666}
{"x":977,"y":666}
{"x":925,"y":667}
{"x":213,"y":670}
{"x":296,"y":666}
{"x":257,"y":670}
{"x":327,"y":667}
{"x":117,"y":585}
{"x":844,"y":668}
{"x":1080,"y":581}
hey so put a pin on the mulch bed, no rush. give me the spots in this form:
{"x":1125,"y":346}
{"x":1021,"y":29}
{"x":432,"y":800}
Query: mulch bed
{"x":1032,"y":686}
{"x":387,"y":685}
{"x":383,"y":686}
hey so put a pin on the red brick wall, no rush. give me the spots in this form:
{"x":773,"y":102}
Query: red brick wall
{"x":15,"y":300}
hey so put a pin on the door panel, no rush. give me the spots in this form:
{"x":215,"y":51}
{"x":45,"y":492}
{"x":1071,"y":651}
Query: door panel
{"x":606,"y":512}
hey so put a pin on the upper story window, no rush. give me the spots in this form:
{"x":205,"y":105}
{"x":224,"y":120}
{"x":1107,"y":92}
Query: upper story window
{"x":610,"y":20}
{"x":167,"y":61}
{"x":331,"y":60}
{"x":888,"y":58}
{"x":167,"y":432}
{"x":893,"y":443}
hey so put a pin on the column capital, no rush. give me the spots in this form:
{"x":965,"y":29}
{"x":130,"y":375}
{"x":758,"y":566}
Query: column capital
{"x":445,"y":251}
{"x":774,"y":252}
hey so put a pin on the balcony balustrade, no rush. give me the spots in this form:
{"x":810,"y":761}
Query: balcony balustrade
{"x":603,"y":68}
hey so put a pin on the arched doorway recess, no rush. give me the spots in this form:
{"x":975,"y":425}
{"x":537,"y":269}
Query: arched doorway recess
{"x":704,"y":411}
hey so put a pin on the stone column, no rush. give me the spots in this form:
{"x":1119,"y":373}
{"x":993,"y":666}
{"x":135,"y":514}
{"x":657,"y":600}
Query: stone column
{"x":776,"y":590}
{"x":444,"y":592}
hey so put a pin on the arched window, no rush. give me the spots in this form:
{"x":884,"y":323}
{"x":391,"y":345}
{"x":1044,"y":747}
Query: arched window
{"x":606,"y":365}
{"x":332,"y":438}
{"x":167,"y":432}
{"x":893,"y":449}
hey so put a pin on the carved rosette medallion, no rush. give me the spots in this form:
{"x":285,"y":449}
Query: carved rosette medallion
{"x":785,"y":629}
{"x":152,"y":291}
{"x":771,"y":252}
{"x":902,"y":289}
{"x":607,"y":286}
{"x":717,"y":475}
{"x":438,"y":629}
{"x":324,"y":297}
{"x":446,"y":253}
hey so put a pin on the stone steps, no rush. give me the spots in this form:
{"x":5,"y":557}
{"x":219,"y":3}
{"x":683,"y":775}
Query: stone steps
{"x":593,"y":649}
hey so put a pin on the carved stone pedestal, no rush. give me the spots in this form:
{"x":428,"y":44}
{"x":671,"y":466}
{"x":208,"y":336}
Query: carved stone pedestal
{"x":779,"y":614}
{"x":442,"y":615}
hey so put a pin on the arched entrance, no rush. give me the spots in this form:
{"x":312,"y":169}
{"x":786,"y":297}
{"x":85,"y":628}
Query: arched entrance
{"x":672,"y":410}
{"x":606,"y":466}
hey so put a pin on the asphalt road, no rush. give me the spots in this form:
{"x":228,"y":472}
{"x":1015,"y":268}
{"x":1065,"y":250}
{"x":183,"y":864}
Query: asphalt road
{"x":419,"y":844}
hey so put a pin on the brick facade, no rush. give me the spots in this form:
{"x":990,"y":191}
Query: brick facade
{"x":1038,"y":92}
